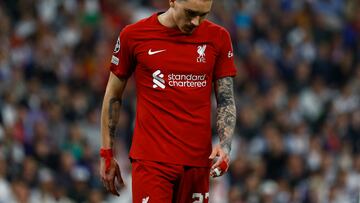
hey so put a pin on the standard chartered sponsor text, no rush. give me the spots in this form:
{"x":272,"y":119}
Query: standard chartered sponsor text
{"x":187,"y":83}
{"x":187,"y":80}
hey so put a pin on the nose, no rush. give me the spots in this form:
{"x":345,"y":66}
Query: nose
{"x":195,"y":21}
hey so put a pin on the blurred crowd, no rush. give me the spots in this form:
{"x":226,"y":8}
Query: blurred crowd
{"x":297,"y":91}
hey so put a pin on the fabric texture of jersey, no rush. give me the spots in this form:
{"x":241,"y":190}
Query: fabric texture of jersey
{"x":174,"y":73}
{"x":164,"y":183}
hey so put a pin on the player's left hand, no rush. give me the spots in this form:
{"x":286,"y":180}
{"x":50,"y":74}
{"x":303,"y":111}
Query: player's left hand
{"x":110,"y":175}
{"x":222,"y":163}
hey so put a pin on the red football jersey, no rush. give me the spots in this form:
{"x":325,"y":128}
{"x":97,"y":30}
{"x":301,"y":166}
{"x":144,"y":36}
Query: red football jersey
{"x":173,"y":74}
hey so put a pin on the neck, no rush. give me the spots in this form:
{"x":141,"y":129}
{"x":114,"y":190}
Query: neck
{"x":166,"y":19}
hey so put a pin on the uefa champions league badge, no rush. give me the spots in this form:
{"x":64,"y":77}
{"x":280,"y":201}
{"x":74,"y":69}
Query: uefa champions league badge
{"x":117,"y":46}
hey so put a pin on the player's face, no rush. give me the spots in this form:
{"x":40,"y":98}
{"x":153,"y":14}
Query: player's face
{"x":188,"y":14}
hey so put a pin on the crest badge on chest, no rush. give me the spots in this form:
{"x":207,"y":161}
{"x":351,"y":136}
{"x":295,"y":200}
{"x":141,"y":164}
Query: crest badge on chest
{"x":201,"y":51}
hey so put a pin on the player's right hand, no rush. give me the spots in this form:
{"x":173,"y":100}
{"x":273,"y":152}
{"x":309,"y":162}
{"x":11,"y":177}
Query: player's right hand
{"x":110,"y":175}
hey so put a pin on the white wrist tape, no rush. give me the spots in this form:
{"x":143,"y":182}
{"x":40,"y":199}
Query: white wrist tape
{"x":217,"y":171}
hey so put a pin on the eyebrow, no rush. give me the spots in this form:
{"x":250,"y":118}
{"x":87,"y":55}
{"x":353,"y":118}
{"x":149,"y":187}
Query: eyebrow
{"x":196,"y":13}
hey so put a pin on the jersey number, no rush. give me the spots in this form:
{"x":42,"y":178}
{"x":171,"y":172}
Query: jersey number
{"x":199,"y":198}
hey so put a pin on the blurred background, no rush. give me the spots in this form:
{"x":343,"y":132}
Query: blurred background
{"x":297,"y":90}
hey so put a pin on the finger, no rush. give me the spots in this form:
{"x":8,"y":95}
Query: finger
{"x":103,"y":181}
{"x":113,"y":188}
{"x":106,"y":185}
{"x":226,"y":158}
{"x":217,"y":163}
{"x":220,"y":170}
{"x":213,"y":154}
{"x":119,"y":184}
{"x":212,"y":173}
{"x":118,"y":177}
{"x":222,"y":157}
{"x":102,"y":173}
{"x":111,"y":181}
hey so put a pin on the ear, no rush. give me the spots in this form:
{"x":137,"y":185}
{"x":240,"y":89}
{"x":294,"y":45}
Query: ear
{"x":172,"y":3}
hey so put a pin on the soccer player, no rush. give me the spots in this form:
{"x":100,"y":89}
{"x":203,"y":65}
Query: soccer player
{"x":176,"y":57}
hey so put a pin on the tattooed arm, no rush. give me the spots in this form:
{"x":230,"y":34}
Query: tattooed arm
{"x":226,"y":112}
{"x":111,"y":110}
{"x":109,"y":168}
{"x":226,"y":119}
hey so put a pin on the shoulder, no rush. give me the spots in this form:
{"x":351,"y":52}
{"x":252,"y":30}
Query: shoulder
{"x":216,"y":34}
{"x":214,"y":28}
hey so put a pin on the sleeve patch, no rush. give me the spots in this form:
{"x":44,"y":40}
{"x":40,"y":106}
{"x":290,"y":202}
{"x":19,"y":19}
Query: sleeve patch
{"x":115,"y":60}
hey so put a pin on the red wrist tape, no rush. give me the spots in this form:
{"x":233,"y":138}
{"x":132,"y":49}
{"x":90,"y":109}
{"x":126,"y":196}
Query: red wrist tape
{"x":107,"y":154}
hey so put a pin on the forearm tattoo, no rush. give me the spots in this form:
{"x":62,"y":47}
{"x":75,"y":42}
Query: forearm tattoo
{"x":226,"y":112}
{"x":114,"y":113}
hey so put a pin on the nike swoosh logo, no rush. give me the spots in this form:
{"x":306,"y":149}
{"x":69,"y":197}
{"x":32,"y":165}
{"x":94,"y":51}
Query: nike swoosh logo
{"x":155,"y":52}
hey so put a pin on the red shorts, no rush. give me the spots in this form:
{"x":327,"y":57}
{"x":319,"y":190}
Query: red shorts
{"x":169,"y":183}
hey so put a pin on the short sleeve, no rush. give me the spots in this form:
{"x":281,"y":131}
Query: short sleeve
{"x":122,"y":63}
{"x":224,"y":65}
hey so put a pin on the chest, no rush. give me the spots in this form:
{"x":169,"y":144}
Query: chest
{"x":175,"y":56}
